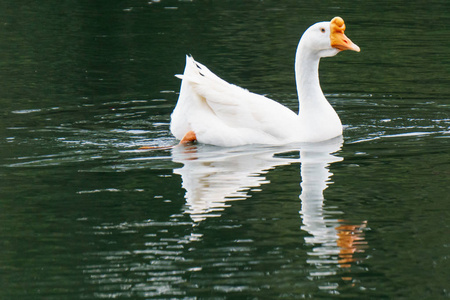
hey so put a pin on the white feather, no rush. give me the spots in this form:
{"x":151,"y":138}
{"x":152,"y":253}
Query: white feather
{"x":224,"y":114}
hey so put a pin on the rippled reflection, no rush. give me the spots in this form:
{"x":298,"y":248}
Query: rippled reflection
{"x":334,"y":241}
{"x":166,"y":258}
{"x":212,"y":177}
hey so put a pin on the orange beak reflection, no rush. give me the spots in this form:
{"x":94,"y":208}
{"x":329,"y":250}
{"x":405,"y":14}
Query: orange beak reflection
{"x":338,"y":39}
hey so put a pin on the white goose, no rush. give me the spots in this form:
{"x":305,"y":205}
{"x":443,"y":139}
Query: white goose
{"x":212,"y":111}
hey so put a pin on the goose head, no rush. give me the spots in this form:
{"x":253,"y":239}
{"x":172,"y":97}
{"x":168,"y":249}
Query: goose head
{"x":327,"y":38}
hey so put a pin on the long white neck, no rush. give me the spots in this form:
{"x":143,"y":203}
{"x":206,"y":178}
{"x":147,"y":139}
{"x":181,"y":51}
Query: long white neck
{"x":307,"y":79}
{"x":318,"y":119}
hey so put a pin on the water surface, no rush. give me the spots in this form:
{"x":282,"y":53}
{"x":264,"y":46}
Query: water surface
{"x":86,"y":215}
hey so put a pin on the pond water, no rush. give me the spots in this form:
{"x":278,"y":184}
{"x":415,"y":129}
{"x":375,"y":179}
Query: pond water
{"x":85,"y":215}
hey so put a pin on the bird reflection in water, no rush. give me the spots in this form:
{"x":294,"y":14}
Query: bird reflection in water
{"x":213,"y":177}
{"x":350,"y":241}
{"x":333,"y":241}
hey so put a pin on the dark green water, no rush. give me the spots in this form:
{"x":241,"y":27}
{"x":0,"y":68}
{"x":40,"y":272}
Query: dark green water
{"x":84,"y":215}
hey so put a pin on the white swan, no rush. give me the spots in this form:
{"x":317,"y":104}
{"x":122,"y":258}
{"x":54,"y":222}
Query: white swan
{"x":212,"y":111}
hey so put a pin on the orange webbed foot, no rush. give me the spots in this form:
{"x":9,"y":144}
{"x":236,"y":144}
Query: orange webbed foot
{"x":189,"y":137}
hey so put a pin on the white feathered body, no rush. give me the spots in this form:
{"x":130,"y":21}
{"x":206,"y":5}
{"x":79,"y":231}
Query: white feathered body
{"x":224,"y":114}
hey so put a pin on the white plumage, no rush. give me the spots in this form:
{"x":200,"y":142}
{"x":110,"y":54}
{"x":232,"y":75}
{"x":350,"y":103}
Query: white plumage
{"x":223,"y":114}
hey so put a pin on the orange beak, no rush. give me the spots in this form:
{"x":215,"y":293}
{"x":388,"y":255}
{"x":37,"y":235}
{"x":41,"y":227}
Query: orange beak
{"x":338,"y":39}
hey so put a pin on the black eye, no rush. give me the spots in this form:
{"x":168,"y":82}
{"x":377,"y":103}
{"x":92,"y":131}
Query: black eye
{"x":322,"y":29}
